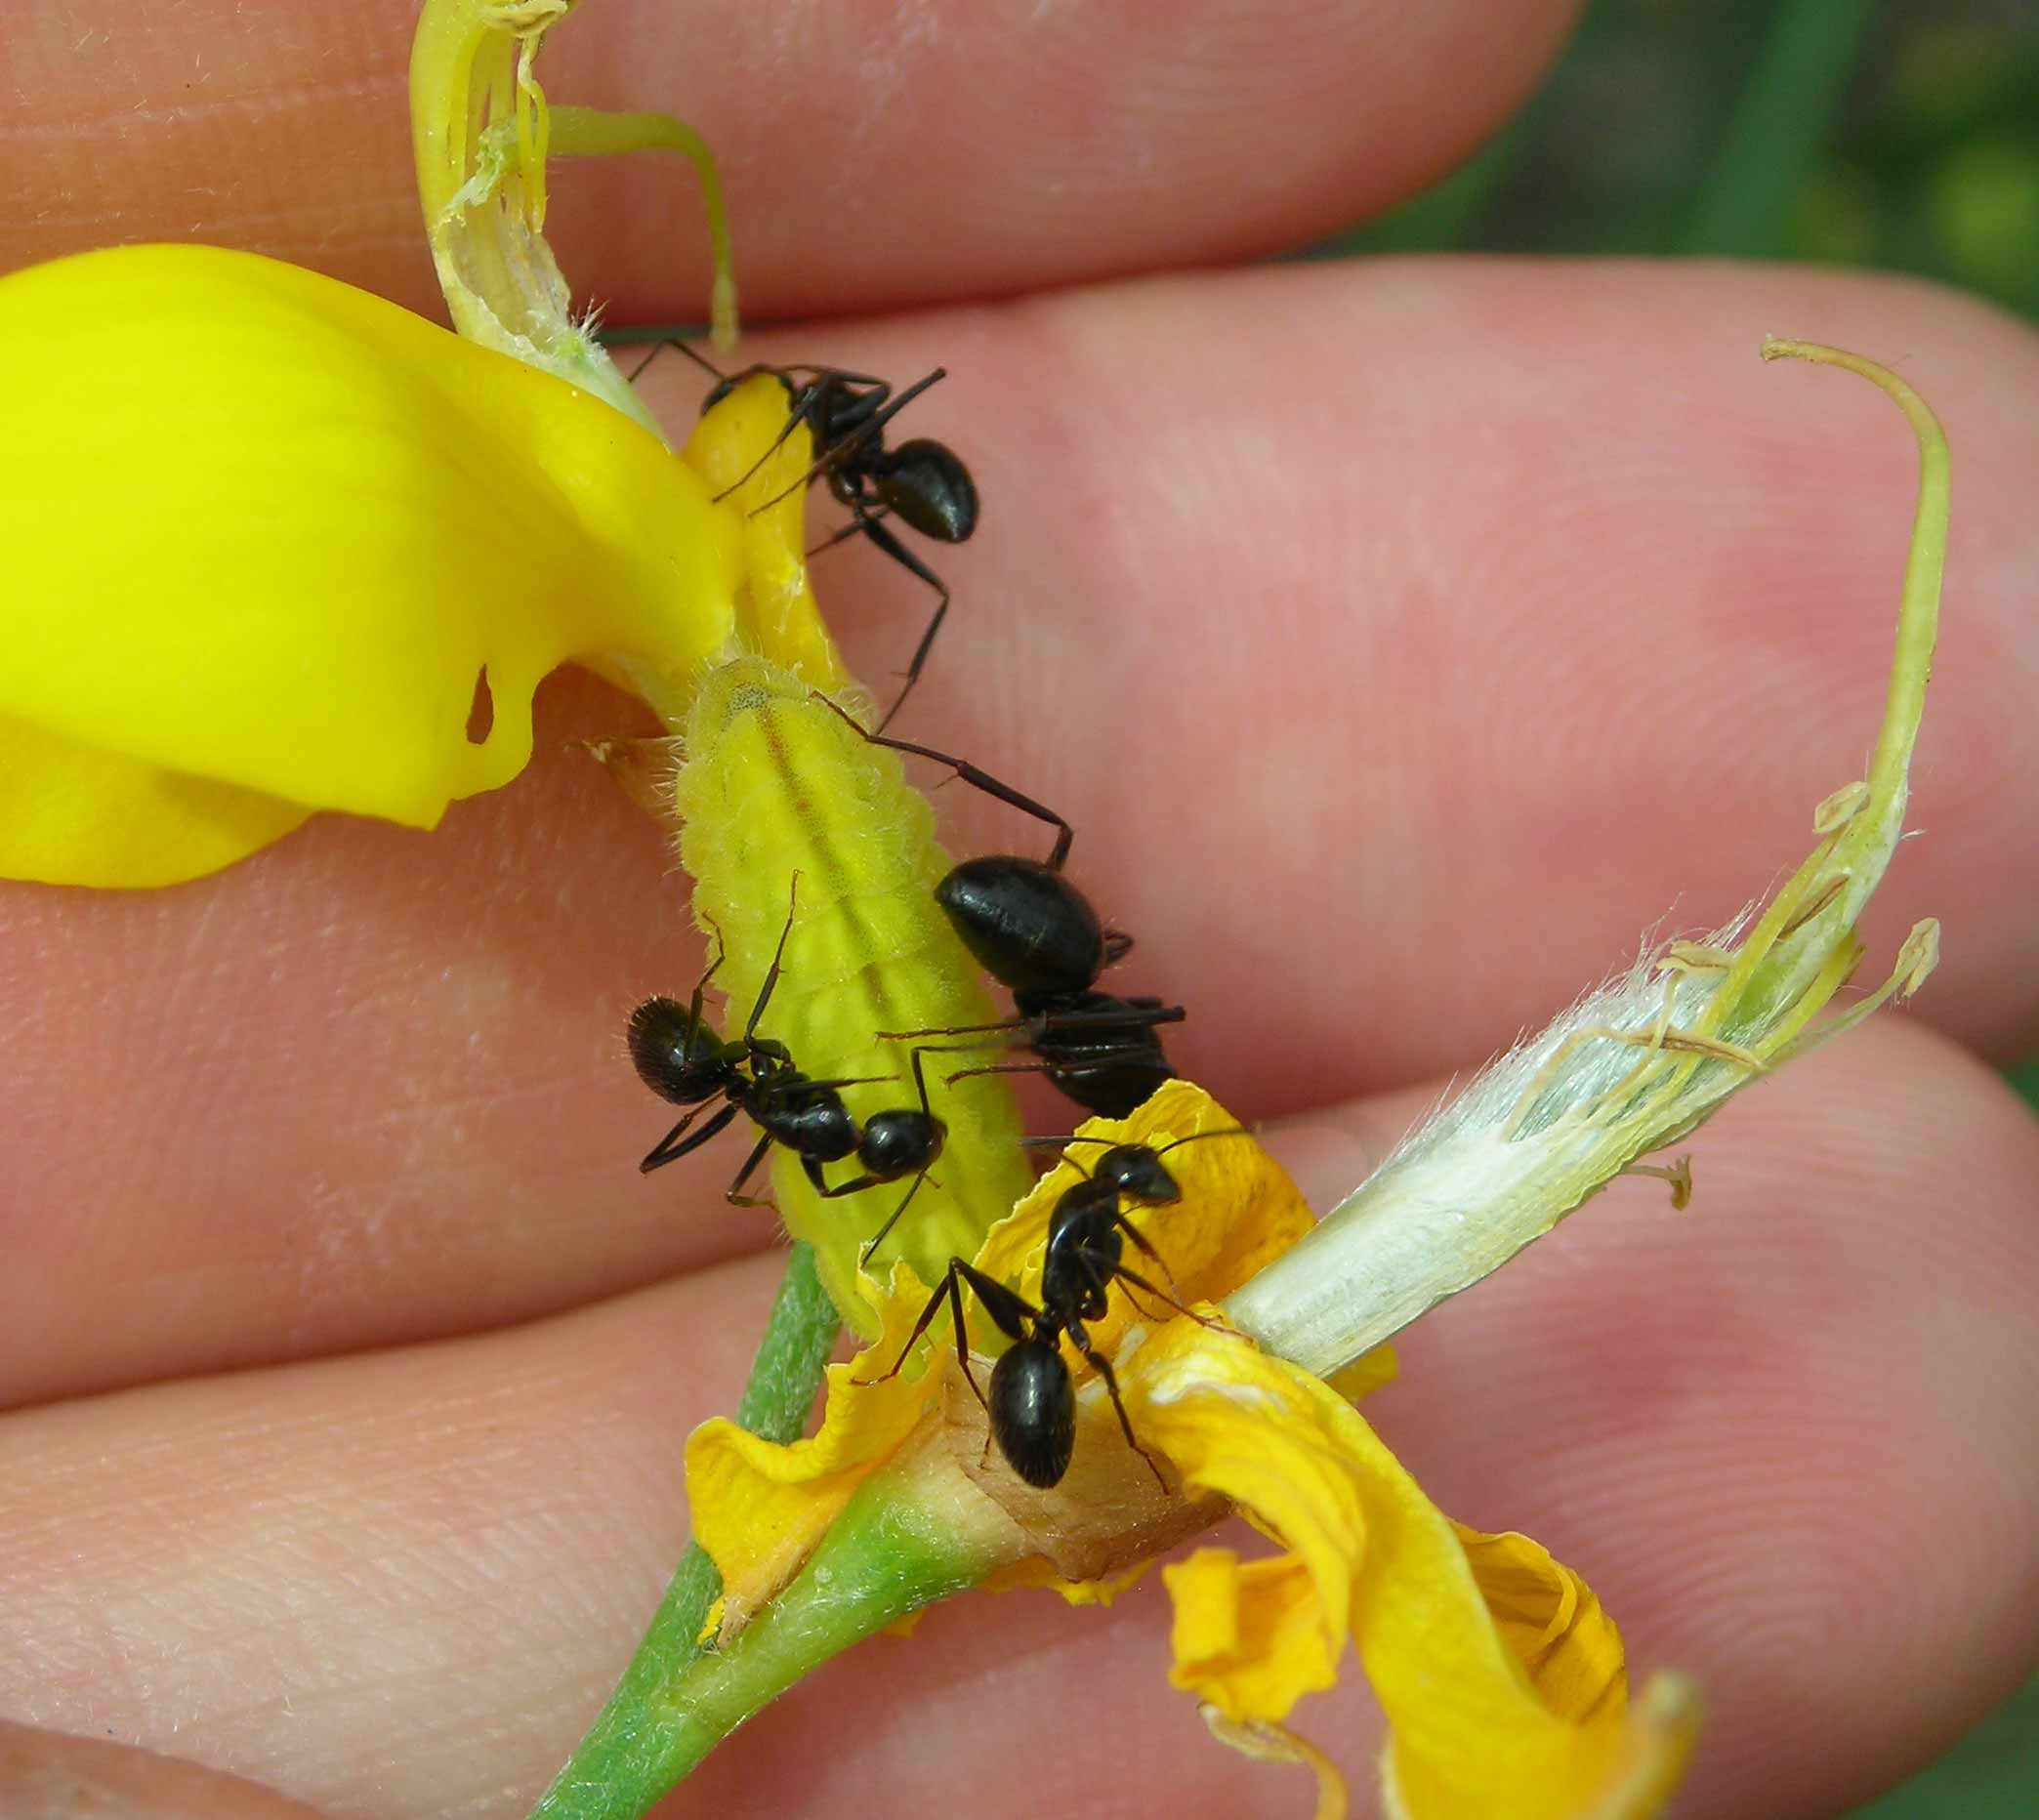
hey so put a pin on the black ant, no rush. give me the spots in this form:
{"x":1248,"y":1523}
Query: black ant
{"x":922,"y":483}
{"x":1032,"y":1406}
{"x":1039,"y":937}
{"x":680,"y":1058}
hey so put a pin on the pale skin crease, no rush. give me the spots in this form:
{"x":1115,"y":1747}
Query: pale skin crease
{"x":1609,"y":604}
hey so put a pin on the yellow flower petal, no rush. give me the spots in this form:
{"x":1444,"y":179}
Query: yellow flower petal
{"x":77,"y":815}
{"x":1473,"y":1734}
{"x":1238,"y":1209}
{"x":269,"y":532}
{"x":1269,"y":1743}
{"x":760,"y":1508}
{"x":1369,"y":1372}
{"x":781,"y":619}
{"x":1251,"y":1637}
{"x":1551,"y":1619}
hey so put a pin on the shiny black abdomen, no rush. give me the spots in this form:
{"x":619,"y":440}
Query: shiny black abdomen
{"x":927,"y":487}
{"x":1034,"y":1410}
{"x":899,"y":1142}
{"x":1029,"y":928}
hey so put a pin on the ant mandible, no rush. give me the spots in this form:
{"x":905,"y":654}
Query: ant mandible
{"x":1032,"y":1405}
{"x":922,"y":483}
{"x":1039,"y":937}
{"x":680,"y":1058}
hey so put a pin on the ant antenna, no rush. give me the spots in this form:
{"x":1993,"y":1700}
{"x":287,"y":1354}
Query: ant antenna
{"x":1228,"y":1131}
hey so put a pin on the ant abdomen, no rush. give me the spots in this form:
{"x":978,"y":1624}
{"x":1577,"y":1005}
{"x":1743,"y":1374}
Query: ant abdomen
{"x":894,"y":1143}
{"x":1025,"y":923}
{"x":924,"y":484}
{"x":1034,"y":1410}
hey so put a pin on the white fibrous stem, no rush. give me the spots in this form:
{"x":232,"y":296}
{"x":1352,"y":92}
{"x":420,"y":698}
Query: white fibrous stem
{"x":1636,"y":1065}
{"x":481,"y":134}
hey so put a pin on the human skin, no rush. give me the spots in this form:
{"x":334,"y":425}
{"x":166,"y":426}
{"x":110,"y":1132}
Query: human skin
{"x":1401,"y":638}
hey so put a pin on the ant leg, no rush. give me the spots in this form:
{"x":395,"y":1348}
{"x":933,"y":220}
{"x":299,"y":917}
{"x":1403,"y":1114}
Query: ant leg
{"x":1174,"y":1301}
{"x":1132,"y":1232}
{"x":1139,"y":1308}
{"x":1002,"y":1067}
{"x":833,"y":456}
{"x":920,"y":1081}
{"x":883,"y":539}
{"x":948,"y":1287}
{"x":805,"y":411}
{"x":671,"y":1148}
{"x":693,"y":1004}
{"x":943,"y":1288}
{"x":1103,"y":1366}
{"x":871,"y":1243}
{"x":700,"y":360}
{"x":1132,"y":1015}
{"x":771,"y":973}
{"x":1078,"y":1066}
{"x":735,"y":1196}
{"x":658,"y":348}
{"x":855,"y":528}
{"x":841,"y":1080}
{"x":971,"y":775}
{"x":1008,"y":1024}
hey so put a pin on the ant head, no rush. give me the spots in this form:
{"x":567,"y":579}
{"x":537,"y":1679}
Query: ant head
{"x":1140,"y":1172}
{"x":676,"y":1054}
{"x":1136,"y":1170}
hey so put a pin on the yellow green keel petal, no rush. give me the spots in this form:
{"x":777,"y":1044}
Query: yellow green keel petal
{"x":272,"y":533}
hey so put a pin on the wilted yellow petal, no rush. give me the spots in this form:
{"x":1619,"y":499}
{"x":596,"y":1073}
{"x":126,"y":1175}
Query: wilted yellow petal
{"x":1251,"y":1637}
{"x":272,"y":533}
{"x":1037,"y":1573}
{"x":1550,"y":1617}
{"x":1268,"y":1743}
{"x":1238,"y":1209}
{"x":759,"y":1509}
{"x":1471,"y":1733}
{"x":1369,"y":1372}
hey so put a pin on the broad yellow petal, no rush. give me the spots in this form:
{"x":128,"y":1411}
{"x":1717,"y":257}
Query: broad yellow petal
{"x":273,"y":533}
{"x":72,"y":813}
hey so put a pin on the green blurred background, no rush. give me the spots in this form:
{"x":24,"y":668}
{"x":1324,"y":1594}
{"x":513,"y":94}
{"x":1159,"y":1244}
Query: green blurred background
{"x":1902,"y":135}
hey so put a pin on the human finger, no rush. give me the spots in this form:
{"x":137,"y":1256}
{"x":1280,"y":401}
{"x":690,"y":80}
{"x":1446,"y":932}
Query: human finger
{"x":1484,"y":717}
{"x":964,"y":149}
{"x":47,"y":1775}
{"x":1749,"y":1425}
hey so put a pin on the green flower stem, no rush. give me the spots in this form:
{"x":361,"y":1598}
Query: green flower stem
{"x":1781,"y":123}
{"x":907,"y":1538}
{"x":591,"y":133}
{"x":632,"y":1744}
{"x":893,"y":1551}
